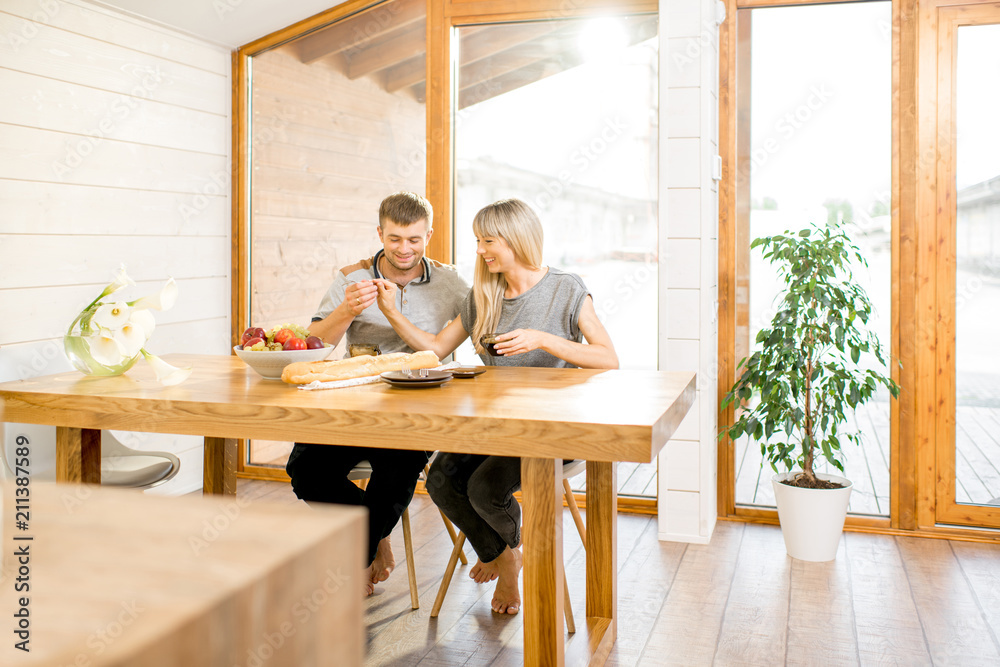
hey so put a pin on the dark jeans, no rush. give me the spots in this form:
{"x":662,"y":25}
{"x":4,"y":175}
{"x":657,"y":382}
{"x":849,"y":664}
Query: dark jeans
{"x":477,"y":493}
{"x":319,"y":474}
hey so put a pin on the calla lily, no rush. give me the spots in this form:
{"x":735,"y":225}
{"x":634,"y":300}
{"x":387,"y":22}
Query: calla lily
{"x":143,"y":319}
{"x":121,"y":281}
{"x":106,"y":338}
{"x":162,"y":300}
{"x":105,"y":349}
{"x":131,"y":337}
{"x":165,"y":373}
{"x":112,"y":316}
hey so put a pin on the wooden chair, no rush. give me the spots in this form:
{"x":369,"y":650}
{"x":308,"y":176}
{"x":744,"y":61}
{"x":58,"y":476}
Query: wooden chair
{"x":569,"y":470}
{"x":360,"y":474}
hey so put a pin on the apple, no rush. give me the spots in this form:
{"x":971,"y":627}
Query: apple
{"x":314,"y":343}
{"x":253,"y":341}
{"x":284,"y":335}
{"x":293,"y":343}
{"x":251,"y":332}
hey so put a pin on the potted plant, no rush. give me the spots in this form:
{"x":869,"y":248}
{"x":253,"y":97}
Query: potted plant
{"x":813,"y":366}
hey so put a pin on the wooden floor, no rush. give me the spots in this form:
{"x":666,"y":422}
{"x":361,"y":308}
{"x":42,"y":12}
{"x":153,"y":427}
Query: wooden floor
{"x":736,"y":601}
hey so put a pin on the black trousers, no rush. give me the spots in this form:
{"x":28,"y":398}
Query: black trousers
{"x":319,"y":474}
{"x":477,"y":493}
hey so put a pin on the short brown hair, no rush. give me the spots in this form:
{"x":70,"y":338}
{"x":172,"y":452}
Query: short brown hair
{"x":404,"y":209}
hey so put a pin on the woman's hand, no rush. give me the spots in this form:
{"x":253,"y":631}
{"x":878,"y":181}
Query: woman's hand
{"x":386,"y":295}
{"x":520,"y":341}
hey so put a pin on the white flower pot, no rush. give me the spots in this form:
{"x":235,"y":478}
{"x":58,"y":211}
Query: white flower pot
{"x":812,"y":520}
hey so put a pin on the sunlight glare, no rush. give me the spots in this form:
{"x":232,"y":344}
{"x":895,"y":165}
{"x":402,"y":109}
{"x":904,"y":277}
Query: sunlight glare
{"x":601,"y":37}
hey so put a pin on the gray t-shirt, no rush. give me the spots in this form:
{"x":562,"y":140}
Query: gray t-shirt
{"x":553,"y":305}
{"x":430,"y":302}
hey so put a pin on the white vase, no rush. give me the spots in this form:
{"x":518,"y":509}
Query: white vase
{"x":812,"y":520}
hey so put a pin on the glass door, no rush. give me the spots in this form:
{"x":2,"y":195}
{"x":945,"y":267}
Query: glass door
{"x":813,"y":144}
{"x":968,"y":222}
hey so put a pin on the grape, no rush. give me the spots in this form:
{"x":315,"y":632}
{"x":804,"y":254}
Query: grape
{"x":299,"y":331}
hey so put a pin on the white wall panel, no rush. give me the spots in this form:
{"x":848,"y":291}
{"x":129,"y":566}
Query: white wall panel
{"x":116,"y":28}
{"x":31,"y":154}
{"x":60,"y":208}
{"x":75,"y":58}
{"x":114,"y":148}
{"x":36,"y":318}
{"x":49,"y":104}
{"x":689,"y":76}
{"x":37,"y":261}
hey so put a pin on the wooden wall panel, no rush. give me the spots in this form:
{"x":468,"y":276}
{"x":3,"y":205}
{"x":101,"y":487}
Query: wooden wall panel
{"x":326,"y":151}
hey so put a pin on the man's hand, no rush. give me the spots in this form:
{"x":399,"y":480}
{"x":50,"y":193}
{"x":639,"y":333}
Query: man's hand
{"x":520,"y":341}
{"x":386,"y":295}
{"x":360,"y":295}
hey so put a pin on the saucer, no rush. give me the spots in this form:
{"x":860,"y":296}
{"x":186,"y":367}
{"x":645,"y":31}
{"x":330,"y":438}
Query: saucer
{"x":416,"y":383}
{"x":415,"y":376}
{"x":467,"y":371}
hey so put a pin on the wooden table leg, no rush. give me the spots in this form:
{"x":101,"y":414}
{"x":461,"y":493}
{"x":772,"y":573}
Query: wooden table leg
{"x":220,"y":467}
{"x":78,"y":455}
{"x":602,"y":558}
{"x":542,"y":547}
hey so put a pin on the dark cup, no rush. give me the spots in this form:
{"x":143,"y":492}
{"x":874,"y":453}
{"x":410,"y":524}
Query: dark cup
{"x":489,"y":341}
{"x":363,"y":349}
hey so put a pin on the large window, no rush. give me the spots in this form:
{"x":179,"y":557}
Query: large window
{"x":563,"y":114}
{"x":337,"y":122}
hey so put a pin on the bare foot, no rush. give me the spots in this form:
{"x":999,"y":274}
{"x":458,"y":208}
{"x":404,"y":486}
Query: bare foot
{"x":369,"y":589}
{"x":384,"y":563}
{"x":506,"y":597}
{"x":482,"y":572}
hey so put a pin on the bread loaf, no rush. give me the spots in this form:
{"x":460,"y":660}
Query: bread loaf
{"x":304,"y":372}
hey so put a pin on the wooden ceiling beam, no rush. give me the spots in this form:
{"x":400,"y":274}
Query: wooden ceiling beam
{"x":477,"y":44}
{"x":391,"y":50}
{"x":530,"y":62}
{"x":512,"y":80}
{"x":355,"y":32}
{"x":488,"y":41}
{"x":548,"y":47}
{"x":406,"y":74}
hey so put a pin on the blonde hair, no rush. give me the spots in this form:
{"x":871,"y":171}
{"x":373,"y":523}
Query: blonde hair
{"x":518,"y":225}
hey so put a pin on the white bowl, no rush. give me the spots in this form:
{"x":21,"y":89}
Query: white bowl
{"x":270,"y":363}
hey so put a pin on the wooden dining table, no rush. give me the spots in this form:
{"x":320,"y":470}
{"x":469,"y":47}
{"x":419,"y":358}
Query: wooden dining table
{"x":542,"y":415}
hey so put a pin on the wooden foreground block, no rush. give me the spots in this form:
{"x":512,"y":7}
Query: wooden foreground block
{"x":116,"y":577}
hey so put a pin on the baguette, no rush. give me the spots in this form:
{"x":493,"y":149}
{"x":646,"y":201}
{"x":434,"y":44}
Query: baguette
{"x":304,"y":372}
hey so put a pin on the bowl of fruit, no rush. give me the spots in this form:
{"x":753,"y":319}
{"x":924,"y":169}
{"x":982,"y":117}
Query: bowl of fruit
{"x":268,"y":352}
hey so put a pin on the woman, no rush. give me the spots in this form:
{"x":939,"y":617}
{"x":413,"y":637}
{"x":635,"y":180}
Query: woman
{"x":542,"y":314}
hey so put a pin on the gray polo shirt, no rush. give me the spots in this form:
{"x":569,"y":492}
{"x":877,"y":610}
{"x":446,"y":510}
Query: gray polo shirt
{"x":430,"y":302}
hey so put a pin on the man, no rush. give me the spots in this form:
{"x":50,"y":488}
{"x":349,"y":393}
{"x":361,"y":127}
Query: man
{"x":431,"y":295}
